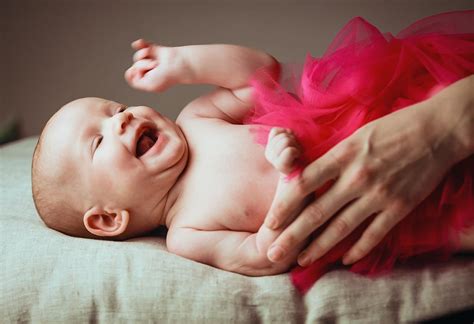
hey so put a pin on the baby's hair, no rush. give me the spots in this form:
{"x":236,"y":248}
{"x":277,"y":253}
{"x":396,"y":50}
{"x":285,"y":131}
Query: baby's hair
{"x":52,"y":207}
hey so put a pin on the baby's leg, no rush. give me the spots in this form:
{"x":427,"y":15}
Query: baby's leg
{"x":467,"y":240}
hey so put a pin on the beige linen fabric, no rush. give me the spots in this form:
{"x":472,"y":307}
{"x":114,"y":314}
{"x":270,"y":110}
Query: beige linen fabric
{"x":47,"y":277}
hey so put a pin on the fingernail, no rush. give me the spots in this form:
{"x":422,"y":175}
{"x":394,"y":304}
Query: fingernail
{"x":271,"y":223}
{"x":303,"y":259}
{"x":275,"y":253}
{"x":346,"y":260}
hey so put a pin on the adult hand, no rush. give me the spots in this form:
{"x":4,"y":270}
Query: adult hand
{"x":385,"y":168}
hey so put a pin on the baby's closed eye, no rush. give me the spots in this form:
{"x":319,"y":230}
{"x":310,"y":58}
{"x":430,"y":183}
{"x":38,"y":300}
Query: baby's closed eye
{"x":96,"y":143}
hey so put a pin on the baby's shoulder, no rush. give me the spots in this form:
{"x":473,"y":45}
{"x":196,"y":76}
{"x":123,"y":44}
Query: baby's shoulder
{"x":202,"y":110}
{"x":206,"y":135}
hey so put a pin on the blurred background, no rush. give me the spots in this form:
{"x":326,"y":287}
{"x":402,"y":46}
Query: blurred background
{"x":54,"y":51}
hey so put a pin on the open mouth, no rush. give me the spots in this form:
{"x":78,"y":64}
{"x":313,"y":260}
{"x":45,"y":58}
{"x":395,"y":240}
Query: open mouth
{"x":146,"y":141}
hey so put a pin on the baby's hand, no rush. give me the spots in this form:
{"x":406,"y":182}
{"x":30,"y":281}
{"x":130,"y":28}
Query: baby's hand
{"x":155,"y":67}
{"x":282,"y":149}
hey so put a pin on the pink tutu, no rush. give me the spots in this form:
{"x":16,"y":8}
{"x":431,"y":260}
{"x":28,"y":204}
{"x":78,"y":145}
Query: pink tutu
{"x":364,"y":75}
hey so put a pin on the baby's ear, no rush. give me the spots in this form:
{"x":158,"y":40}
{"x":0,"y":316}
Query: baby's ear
{"x":101,"y":222}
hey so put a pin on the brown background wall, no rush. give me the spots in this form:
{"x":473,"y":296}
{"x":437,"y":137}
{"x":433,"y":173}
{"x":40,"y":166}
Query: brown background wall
{"x":53,"y":51}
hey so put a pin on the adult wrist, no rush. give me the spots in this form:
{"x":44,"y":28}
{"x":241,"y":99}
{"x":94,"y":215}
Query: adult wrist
{"x":461,"y":102}
{"x":452,"y":118}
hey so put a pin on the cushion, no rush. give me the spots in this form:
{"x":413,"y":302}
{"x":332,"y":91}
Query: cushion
{"x":46,"y":276}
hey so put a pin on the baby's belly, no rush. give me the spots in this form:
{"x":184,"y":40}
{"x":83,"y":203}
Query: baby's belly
{"x":235,"y":209}
{"x":247,"y":211}
{"x":230,"y":205}
{"x":230,"y":200}
{"x":247,"y":219}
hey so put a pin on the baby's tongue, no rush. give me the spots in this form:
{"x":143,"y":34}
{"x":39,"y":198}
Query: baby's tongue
{"x":144,"y":144}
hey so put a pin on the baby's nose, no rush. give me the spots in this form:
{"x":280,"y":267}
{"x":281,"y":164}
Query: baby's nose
{"x":122,"y":120}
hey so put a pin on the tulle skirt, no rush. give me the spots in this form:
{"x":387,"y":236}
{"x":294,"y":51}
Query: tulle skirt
{"x":364,"y":75}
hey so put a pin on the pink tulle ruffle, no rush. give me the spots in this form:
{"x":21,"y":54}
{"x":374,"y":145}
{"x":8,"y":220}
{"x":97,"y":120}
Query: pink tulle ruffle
{"x":364,"y":75}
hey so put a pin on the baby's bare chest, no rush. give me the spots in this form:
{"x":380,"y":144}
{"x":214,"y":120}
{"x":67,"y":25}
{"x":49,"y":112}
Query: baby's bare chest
{"x":228,"y":183}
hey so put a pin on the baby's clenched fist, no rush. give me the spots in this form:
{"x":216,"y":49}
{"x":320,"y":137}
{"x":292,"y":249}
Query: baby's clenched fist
{"x":155,"y":67}
{"x":282,"y":149}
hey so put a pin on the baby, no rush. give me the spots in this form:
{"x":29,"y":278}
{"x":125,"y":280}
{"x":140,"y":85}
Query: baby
{"x":104,"y":170}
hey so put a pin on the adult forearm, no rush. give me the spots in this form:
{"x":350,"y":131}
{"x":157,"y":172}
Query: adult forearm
{"x":452,"y":111}
{"x":228,"y":66}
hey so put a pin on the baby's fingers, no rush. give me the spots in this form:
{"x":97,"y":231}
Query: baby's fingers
{"x":129,"y":73}
{"x":139,"y":44}
{"x":275,"y":131}
{"x":277,"y":144}
{"x":285,"y":161}
{"x":144,"y":53}
{"x":144,"y":66}
{"x":138,"y":70}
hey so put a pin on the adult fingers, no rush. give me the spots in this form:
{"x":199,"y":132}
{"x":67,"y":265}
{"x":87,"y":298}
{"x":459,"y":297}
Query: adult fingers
{"x":342,"y":225}
{"x":372,"y":236}
{"x":289,"y":199}
{"x":312,"y":217}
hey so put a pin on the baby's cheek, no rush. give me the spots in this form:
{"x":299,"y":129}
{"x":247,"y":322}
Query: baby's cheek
{"x":115,"y":175}
{"x":137,"y":185}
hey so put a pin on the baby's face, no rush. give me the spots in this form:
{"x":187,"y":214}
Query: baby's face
{"x":120,"y":157}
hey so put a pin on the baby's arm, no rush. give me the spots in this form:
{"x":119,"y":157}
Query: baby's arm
{"x":227,"y":66}
{"x":228,"y":250}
